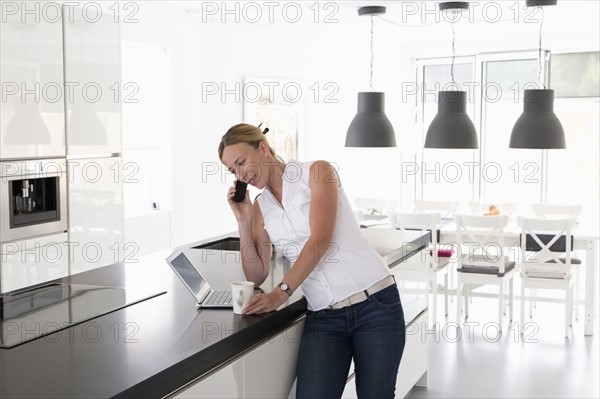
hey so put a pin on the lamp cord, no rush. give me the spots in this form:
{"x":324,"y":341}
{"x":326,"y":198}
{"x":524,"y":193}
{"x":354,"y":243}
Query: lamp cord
{"x":540,"y":50}
{"x":372,"y":56}
{"x":455,"y":15}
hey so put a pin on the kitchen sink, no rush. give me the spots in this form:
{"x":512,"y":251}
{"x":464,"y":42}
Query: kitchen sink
{"x":225,"y":244}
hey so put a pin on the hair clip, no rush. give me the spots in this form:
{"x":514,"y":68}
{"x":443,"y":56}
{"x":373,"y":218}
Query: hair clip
{"x":264,"y":131}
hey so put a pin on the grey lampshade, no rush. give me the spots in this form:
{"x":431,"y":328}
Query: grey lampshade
{"x":454,"y":5}
{"x":451,"y":127}
{"x":371,"y":127}
{"x":538,"y":126}
{"x":540,"y":3}
{"x":27,"y":126}
{"x":85,"y":127}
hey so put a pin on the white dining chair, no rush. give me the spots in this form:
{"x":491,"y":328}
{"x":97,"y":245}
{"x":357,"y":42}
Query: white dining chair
{"x":426,"y":266}
{"x":446,"y":208}
{"x":478,"y":265}
{"x":376,"y":205}
{"x":546,"y":261}
{"x":545,"y":211}
{"x":549,"y":211}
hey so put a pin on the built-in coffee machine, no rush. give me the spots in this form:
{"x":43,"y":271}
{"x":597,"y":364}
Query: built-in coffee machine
{"x":34,"y":197}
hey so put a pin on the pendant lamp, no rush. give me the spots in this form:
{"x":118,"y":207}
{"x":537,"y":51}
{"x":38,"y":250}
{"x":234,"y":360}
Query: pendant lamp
{"x":538,"y":126}
{"x":452,"y":127}
{"x":371,"y":127}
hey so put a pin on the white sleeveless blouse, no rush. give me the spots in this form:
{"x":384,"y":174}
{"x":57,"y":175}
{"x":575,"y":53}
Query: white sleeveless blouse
{"x":350,"y":264}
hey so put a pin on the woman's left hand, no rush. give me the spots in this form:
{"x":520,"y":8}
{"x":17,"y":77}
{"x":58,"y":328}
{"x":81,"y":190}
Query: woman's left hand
{"x":267,"y":302}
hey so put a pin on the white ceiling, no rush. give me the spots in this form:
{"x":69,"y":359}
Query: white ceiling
{"x":412,"y":17}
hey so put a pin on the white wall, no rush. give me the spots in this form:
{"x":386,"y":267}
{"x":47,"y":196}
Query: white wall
{"x":147,"y":127}
{"x":205,"y":51}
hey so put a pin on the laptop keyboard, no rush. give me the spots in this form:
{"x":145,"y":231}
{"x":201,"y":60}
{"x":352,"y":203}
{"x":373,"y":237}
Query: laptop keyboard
{"x":218,"y":297}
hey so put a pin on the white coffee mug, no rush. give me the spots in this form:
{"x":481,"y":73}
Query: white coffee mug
{"x":241,"y":292}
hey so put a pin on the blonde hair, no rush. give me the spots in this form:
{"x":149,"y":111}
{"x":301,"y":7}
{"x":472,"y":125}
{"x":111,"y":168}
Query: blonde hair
{"x":244,"y":133}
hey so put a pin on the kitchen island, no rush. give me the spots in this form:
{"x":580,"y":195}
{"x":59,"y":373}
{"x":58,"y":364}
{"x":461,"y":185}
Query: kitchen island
{"x":164,"y":346}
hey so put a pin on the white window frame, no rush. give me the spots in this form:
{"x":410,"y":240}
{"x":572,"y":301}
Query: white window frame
{"x":478,"y":62}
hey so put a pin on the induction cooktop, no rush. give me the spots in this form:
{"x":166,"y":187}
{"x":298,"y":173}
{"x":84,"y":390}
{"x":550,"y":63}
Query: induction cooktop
{"x":38,"y":311}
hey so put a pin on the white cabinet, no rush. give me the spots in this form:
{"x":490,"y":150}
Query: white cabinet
{"x":32,"y":106}
{"x":93,"y":118}
{"x":415,"y":359}
{"x":226,"y":383}
{"x":95,"y":212}
{"x":45,"y":70}
{"x":34,"y":261}
{"x":277,"y":357}
{"x":270,"y":369}
{"x":93,"y":79}
{"x":267,"y":371}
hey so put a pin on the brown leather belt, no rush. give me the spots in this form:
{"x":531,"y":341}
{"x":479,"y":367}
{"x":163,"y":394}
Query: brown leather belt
{"x":364,"y":295}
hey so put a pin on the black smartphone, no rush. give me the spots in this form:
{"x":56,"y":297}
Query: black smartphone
{"x":240,"y":191}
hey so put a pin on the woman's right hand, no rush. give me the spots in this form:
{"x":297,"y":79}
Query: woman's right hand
{"x":241,"y":210}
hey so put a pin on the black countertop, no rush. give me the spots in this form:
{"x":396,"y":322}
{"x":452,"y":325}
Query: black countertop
{"x":153,"y":347}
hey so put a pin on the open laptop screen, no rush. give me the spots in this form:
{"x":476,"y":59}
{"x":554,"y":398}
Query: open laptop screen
{"x":190,"y":275}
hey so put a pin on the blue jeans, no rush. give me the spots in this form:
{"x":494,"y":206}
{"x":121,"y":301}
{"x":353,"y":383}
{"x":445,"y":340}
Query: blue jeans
{"x":371,"y":332}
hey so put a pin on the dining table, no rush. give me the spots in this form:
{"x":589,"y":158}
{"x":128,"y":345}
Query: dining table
{"x":585,"y":239}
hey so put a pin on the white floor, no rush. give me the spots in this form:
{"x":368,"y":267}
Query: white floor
{"x":542,"y":364}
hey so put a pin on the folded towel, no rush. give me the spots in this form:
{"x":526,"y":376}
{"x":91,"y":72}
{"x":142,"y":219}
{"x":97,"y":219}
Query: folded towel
{"x":445,"y":253}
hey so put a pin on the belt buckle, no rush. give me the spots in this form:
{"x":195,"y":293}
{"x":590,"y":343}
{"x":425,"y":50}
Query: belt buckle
{"x":341,"y":304}
{"x":359,"y":298}
{"x":348,"y":301}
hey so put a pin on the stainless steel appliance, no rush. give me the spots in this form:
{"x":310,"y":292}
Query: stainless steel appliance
{"x":61,"y":305}
{"x":33,"y":198}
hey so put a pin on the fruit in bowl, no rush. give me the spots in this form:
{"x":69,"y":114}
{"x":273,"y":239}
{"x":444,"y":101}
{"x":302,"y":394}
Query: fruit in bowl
{"x":493,"y":210}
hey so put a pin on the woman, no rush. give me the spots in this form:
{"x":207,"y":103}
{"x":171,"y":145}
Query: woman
{"x":354,"y":310}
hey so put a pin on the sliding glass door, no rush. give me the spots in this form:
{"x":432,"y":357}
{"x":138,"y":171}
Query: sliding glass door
{"x":573,"y":175}
{"x":444,"y":174}
{"x":494,"y":173}
{"x":507,"y":174}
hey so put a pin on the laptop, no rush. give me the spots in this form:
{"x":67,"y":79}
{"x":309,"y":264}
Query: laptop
{"x":206,"y":297}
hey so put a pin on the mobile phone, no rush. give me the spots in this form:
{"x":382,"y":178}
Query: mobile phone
{"x":240,"y":191}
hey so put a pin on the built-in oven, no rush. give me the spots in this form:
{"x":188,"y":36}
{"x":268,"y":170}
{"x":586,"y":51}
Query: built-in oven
{"x":33,"y":198}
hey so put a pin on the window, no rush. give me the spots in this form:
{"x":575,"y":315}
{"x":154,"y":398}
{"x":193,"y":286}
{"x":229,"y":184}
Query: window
{"x":498,"y":173}
{"x":573,"y":174}
{"x":506,"y":171}
{"x":583,"y":66}
{"x":444,"y":174}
